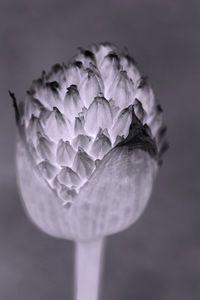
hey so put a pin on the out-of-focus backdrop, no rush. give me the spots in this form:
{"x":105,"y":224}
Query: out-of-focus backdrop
{"x":159,"y":257}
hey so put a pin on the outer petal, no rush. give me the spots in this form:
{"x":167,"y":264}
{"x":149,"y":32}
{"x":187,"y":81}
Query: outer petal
{"x":116,"y":193}
{"x":113,"y":199}
{"x":41,"y":203}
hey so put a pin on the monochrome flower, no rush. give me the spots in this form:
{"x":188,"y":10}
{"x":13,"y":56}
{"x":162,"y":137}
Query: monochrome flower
{"x":90,"y":141}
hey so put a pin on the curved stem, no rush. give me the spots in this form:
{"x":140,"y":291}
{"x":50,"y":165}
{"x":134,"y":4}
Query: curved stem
{"x":88,"y":258}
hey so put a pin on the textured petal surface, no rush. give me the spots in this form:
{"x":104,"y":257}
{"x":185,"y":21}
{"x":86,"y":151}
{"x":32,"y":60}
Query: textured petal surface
{"x":116,"y":194}
{"x":40,"y":201}
{"x":79,"y":121}
{"x":112,"y":199}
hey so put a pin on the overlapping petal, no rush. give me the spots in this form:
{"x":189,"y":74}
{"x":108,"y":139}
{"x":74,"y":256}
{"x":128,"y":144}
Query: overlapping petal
{"x":90,"y":142}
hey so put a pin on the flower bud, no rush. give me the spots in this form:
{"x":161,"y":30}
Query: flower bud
{"x":90,"y":140}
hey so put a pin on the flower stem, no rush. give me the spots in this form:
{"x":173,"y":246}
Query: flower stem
{"x":88,"y":258}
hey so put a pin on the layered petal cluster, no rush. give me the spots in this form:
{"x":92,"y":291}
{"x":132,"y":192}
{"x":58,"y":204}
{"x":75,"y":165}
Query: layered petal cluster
{"x":78,"y":119}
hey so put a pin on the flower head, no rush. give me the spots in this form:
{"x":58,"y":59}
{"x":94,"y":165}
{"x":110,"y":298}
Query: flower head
{"x":91,"y":138}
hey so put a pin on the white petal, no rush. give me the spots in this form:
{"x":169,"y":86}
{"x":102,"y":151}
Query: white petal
{"x":102,"y":50}
{"x":47,"y":169}
{"x":89,"y":88}
{"x":72,"y":102}
{"x":44,"y":115}
{"x":82,"y":141}
{"x":122,"y":91}
{"x":33,"y":128}
{"x":122,"y":124}
{"x":100,"y":146}
{"x":48,"y":94}
{"x":65,"y":195}
{"x":86,"y":57}
{"x":32,"y":107}
{"x":139,"y":111}
{"x":46,"y":148}
{"x":130,"y":67}
{"x":68,"y":177}
{"x":65,"y":153}
{"x":97,"y":73}
{"x":57,"y":74}
{"x":99,"y":115}
{"x":114,"y":108}
{"x":74,"y":73}
{"x":79,"y":126}
{"x":83,"y":164}
{"x":109,"y":69}
{"x":145,"y":95}
{"x":57,"y":127}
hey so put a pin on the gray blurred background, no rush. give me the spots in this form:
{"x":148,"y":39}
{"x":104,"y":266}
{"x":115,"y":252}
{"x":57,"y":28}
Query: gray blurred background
{"x":159,"y":257}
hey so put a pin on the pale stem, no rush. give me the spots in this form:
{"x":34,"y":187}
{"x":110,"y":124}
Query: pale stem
{"x":88,"y":263}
